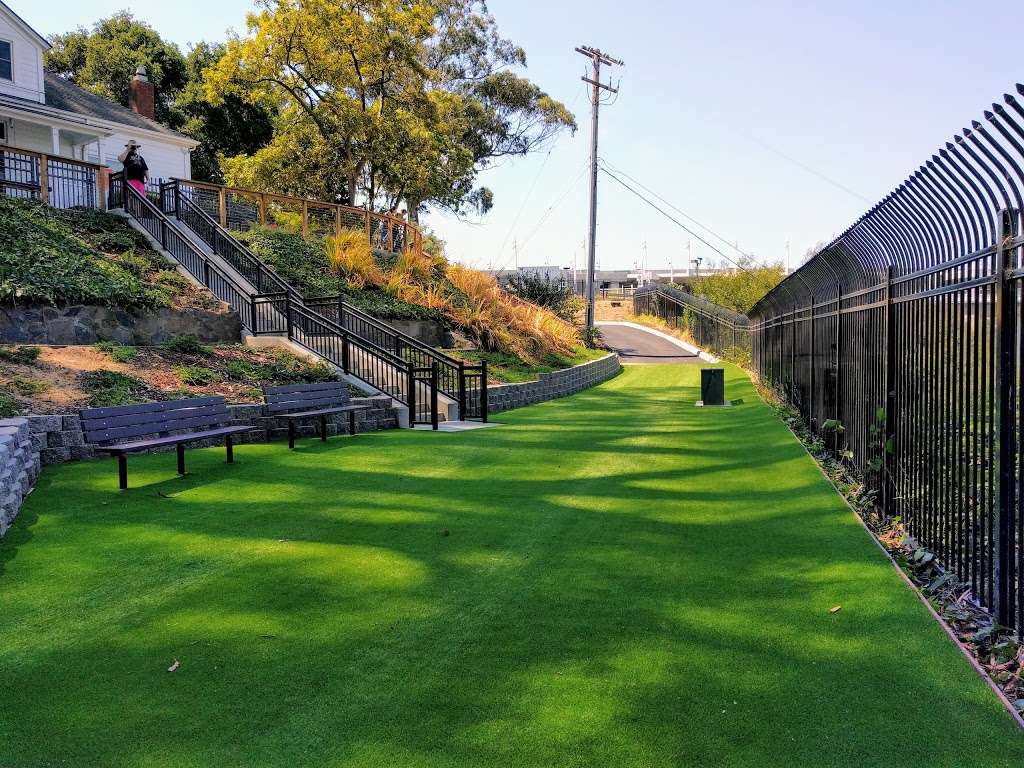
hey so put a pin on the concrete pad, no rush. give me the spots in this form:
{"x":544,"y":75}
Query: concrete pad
{"x":458,"y":426}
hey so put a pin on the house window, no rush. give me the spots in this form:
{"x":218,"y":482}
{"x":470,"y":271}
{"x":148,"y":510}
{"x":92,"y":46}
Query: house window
{"x":6,"y":62}
{"x":3,"y":130}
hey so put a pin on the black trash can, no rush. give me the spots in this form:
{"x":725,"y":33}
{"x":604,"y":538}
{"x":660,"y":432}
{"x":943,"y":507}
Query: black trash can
{"x":712,"y":386}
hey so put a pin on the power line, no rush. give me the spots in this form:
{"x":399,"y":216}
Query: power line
{"x":673,"y":219}
{"x":682,"y":213}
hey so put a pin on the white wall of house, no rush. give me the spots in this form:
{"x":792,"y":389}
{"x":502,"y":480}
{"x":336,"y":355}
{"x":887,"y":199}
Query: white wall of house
{"x":27,"y":60}
{"x":165,"y":160}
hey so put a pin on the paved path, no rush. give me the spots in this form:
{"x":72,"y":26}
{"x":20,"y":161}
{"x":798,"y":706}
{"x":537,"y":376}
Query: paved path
{"x":639,"y":346}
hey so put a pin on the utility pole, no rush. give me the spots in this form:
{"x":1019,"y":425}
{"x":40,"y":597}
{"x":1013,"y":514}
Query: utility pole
{"x":515,"y":253}
{"x":597,"y":58}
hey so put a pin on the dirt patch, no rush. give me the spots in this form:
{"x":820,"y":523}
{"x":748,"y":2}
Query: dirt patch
{"x":56,"y":381}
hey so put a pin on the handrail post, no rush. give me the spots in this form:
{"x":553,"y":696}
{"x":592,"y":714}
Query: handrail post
{"x":252,"y":319}
{"x":1004,"y":449}
{"x":411,"y":396}
{"x":341,"y":310}
{"x":288,"y":312}
{"x":163,"y":233}
{"x":462,"y":390}
{"x":206,"y":272}
{"x":433,"y":396}
{"x":177,"y":199}
{"x":483,"y":391}
{"x":344,"y":351}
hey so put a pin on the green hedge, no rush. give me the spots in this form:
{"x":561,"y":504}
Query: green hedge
{"x":50,"y":256}
{"x":303,"y":263}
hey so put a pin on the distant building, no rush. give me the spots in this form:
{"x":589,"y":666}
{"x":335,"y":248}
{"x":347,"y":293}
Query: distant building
{"x":605,"y":279}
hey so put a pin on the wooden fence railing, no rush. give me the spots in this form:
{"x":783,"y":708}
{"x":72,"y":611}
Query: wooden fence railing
{"x":238,"y":208}
{"x":58,"y":181}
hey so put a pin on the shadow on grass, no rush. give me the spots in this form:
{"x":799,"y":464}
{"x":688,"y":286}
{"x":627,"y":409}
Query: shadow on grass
{"x":609,"y":580}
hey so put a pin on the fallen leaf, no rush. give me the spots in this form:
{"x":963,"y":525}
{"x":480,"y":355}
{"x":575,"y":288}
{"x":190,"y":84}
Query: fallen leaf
{"x":835,"y":609}
{"x":174,"y":666}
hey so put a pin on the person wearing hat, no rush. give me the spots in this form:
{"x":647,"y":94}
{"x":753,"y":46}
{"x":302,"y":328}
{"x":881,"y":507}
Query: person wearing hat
{"x":136,"y":172}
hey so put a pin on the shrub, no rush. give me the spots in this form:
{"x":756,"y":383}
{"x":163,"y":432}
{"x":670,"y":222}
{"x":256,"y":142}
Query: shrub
{"x":53,"y":256}
{"x":119,"y":353}
{"x":187,"y":344}
{"x":196,"y":375}
{"x":27,"y":387}
{"x":8,"y":405}
{"x":739,"y":290}
{"x":106,"y":388}
{"x":544,"y":292}
{"x":23,"y":355}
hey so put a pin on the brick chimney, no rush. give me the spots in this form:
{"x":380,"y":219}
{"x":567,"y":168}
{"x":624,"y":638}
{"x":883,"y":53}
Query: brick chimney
{"x":141,"y":94}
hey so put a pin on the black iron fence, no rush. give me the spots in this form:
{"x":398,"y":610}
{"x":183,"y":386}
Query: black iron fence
{"x":906,"y":333}
{"x":710,"y":326}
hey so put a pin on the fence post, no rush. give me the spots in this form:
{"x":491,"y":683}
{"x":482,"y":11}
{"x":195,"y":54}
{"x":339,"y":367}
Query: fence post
{"x":263,"y":208}
{"x":1004,"y":450}
{"x":252,"y":310}
{"x":337,"y":220}
{"x":810,"y":378}
{"x":222,"y":206}
{"x":44,"y":178}
{"x":305,"y":219}
{"x":889,"y":435}
{"x":102,"y":187}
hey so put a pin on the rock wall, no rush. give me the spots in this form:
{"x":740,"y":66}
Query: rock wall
{"x":83,"y":324}
{"x":552,"y":385}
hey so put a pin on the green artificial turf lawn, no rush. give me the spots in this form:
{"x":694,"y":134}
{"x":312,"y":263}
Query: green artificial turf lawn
{"x":612,"y":579}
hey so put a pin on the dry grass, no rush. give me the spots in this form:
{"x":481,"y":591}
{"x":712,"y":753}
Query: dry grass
{"x":351,"y":258}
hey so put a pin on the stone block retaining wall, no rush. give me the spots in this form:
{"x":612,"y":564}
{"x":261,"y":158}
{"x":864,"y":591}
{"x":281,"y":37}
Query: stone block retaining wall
{"x":19,"y":468}
{"x":29,"y":442}
{"x":503,"y":397}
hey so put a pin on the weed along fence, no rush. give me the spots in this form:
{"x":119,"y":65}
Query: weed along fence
{"x":907,"y":332}
{"x":712,"y":327}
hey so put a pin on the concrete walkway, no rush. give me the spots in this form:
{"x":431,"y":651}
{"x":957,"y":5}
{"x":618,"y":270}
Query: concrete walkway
{"x":638,"y":345}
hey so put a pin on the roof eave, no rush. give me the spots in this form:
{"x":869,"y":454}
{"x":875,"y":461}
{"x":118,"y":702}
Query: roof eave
{"x":110,"y":126}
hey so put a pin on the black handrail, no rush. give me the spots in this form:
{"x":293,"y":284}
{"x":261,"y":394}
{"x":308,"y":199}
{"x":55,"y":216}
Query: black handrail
{"x":350,"y":317}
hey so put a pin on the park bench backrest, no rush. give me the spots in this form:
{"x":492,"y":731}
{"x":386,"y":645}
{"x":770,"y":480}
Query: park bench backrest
{"x":307,"y":397}
{"x":123,"y":423}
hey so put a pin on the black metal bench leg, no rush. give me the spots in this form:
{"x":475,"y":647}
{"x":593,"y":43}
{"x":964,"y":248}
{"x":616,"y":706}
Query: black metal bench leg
{"x":323,"y":428}
{"x":181,"y":458}
{"x":351,"y":422}
{"x":291,"y":433}
{"x":229,"y":446}
{"x":122,"y":471}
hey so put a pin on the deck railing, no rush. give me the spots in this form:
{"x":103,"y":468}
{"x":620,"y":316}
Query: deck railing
{"x":57,"y":181}
{"x":237,"y":208}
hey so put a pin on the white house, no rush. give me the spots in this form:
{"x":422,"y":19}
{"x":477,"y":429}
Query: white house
{"x":42,"y":112}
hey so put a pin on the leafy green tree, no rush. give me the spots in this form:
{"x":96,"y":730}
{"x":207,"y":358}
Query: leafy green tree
{"x":413,"y":97}
{"x":741,"y":289}
{"x":230,"y":127}
{"x":103,"y":60}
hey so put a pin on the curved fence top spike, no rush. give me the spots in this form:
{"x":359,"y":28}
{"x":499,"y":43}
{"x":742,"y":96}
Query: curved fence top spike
{"x":967,"y":210}
{"x":964,"y":193}
{"x":948,"y":210}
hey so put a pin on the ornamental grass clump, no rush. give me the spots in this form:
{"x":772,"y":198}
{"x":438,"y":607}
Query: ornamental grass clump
{"x":351,"y":259}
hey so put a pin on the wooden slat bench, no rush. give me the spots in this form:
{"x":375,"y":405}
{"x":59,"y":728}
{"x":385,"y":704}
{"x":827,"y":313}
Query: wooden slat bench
{"x":125,"y":429}
{"x":307,"y":401}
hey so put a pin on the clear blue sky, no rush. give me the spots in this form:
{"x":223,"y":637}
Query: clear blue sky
{"x":862,"y":92}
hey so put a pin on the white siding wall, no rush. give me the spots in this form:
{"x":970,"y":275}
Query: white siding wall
{"x":165,"y":160}
{"x":27,"y":62}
